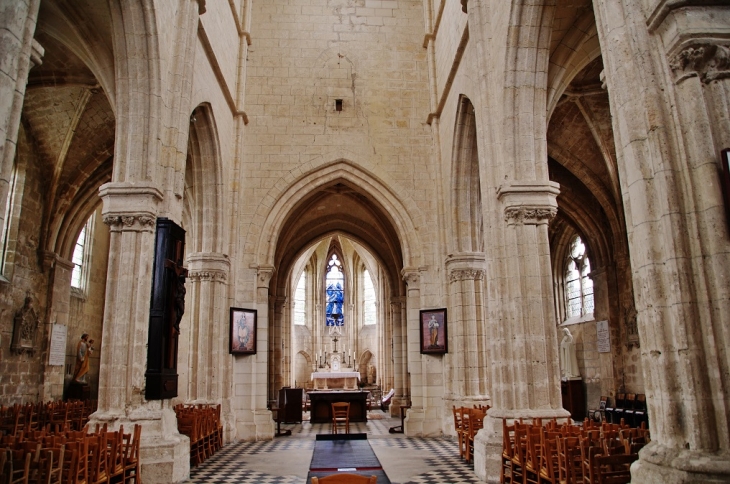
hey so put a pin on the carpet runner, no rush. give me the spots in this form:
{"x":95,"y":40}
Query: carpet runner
{"x":345,"y":453}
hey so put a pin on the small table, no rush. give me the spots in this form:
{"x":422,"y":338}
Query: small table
{"x":398,"y":429}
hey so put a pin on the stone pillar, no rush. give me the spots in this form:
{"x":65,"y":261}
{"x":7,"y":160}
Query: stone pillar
{"x":254,"y":420}
{"x":130,"y":212}
{"x":468,"y":379}
{"x":209,"y":365}
{"x":668,"y":78}
{"x":19,"y":52}
{"x":525,"y":372}
{"x":425,"y":371}
{"x":400,"y":363}
{"x":59,"y":294}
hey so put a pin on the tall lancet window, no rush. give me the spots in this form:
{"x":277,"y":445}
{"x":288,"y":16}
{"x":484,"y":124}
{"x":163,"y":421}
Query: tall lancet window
{"x":368,"y":299}
{"x":300,"y":300}
{"x":578,"y":286}
{"x":335,"y":284}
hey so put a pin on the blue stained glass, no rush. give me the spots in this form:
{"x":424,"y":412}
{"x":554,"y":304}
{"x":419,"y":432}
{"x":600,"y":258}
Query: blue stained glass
{"x":335,"y":295}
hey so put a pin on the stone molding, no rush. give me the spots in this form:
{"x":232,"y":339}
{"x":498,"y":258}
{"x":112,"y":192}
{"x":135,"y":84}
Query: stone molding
{"x":466,"y":275}
{"x":529,"y":203}
{"x":707,"y":60}
{"x":207,"y":276}
{"x":122,"y":199}
{"x":51,"y":260}
{"x":139,"y":222}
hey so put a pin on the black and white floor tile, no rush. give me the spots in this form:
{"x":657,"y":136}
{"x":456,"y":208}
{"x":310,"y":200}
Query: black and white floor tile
{"x":285,"y":460}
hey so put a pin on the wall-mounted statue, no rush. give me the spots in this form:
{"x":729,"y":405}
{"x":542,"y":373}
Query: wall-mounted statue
{"x":84,"y":348}
{"x":568,"y":359}
{"x":25,"y":328}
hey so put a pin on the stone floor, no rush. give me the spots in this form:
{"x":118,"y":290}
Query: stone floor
{"x":286,"y":460}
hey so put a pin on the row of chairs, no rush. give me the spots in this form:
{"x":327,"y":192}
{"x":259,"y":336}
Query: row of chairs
{"x":631,"y":407}
{"x":467,"y":422}
{"x":70,"y":457}
{"x":569,"y":454}
{"x":36,"y":416}
{"x":202,"y":424}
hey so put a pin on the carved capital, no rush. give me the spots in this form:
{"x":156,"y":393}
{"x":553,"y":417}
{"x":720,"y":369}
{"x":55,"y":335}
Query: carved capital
{"x":130,"y":222}
{"x":529,"y":203}
{"x":528,"y":215}
{"x":412,"y":277}
{"x":466,"y":275}
{"x":705,"y":60}
{"x":207,"y":276}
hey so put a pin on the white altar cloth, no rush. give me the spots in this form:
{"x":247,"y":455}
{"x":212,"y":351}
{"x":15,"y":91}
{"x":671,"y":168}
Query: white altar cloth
{"x":324,"y":380}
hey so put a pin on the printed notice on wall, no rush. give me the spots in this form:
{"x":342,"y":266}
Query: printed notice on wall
{"x":57,"y":355}
{"x":604,"y":338}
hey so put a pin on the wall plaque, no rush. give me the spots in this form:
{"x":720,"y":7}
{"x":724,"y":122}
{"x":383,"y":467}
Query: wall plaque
{"x":57,"y":354}
{"x":604,"y":337}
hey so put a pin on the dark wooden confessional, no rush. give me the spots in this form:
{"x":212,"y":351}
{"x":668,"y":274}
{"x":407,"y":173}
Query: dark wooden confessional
{"x":166,"y":310}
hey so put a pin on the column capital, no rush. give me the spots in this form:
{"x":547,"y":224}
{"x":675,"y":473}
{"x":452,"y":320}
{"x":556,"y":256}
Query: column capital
{"x":412,"y":276}
{"x":130,"y":198}
{"x":707,"y":60}
{"x":463,"y":266}
{"x":529,"y":203}
{"x":208,"y":266}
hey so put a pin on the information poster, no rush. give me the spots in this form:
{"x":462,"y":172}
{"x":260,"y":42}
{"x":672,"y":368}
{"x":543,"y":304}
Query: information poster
{"x":604,"y":337}
{"x":57,"y":355}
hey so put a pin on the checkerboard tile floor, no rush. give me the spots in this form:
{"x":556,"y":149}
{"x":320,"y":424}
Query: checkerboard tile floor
{"x":436,"y":460}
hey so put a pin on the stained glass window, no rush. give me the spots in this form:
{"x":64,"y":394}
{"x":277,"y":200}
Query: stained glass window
{"x":578,"y":284}
{"x":335,"y":291}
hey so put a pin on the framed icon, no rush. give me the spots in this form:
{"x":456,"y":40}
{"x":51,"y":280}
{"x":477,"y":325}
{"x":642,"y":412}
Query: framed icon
{"x":434,"y":335}
{"x":243,"y":332}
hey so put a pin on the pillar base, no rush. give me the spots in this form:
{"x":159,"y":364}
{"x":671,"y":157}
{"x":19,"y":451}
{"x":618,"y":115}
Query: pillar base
{"x":673,"y":466}
{"x":488,"y":441}
{"x":260,"y":428}
{"x":164,"y":452}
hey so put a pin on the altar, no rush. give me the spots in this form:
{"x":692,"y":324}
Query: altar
{"x":325,"y":380}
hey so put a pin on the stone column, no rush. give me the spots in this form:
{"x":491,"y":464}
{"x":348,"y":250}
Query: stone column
{"x":130,"y":212}
{"x":468,"y":380}
{"x":667,"y":70}
{"x":209,"y":365}
{"x":524,"y":368}
{"x":254,"y":420}
{"x":400,"y":363}
{"x":19,"y":52}
{"x":59,"y":294}
{"x":425,"y":371}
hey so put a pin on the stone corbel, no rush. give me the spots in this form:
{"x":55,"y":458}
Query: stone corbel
{"x":264,"y":273}
{"x":36,"y":54}
{"x":208,"y":266}
{"x":130,"y":206}
{"x":706,"y":60}
{"x":140,"y":222}
{"x":529,"y":203}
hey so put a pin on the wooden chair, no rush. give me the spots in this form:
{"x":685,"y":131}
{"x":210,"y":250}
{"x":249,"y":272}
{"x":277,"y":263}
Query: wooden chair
{"x":98,"y":454}
{"x":508,"y":452}
{"x":614,"y":469}
{"x":75,"y":462}
{"x":533,"y":456}
{"x":476,"y":422}
{"x":51,"y":465}
{"x":131,"y":456}
{"x":520,"y":452}
{"x":115,"y":462}
{"x":345,"y":479}
{"x":549,"y":465}
{"x":459,"y":428}
{"x":18,"y":466}
{"x":340,"y":416}
{"x":570,"y":466}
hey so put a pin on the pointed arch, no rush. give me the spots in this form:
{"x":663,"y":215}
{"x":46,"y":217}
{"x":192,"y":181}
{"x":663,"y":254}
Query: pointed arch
{"x":466,"y":199}
{"x":403,"y":214}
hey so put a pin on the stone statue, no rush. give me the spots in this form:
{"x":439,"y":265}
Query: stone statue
{"x":568,"y":360}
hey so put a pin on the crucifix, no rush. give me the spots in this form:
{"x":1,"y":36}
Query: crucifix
{"x":176,"y":301}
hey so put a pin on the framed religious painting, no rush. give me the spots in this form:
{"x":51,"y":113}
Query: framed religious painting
{"x":433,"y":330}
{"x":243,"y":332}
